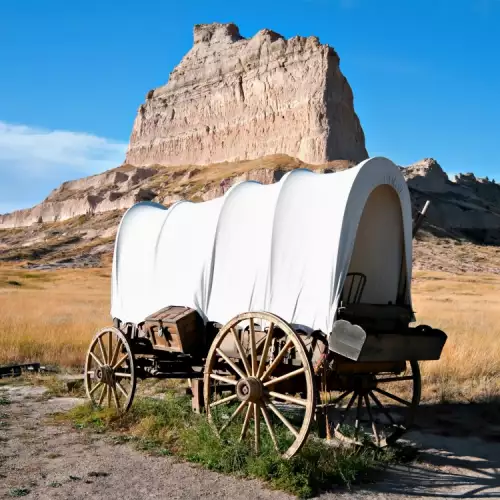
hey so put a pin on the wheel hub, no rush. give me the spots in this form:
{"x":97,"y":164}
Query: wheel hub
{"x":105,"y":374}
{"x":249,"y":389}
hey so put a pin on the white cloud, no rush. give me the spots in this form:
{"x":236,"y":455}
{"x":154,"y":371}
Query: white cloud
{"x":38,"y":152}
{"x":33,"y":161}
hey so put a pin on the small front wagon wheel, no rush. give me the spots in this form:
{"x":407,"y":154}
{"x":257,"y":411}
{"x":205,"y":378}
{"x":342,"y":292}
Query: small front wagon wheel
{"x":110,"y":370}
{"x":259,"y":384}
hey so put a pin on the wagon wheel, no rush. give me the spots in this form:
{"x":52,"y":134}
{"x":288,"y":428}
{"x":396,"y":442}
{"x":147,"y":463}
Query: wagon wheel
{"x":255,"y":377}
{"x":110,"y":370}
{"x":375,"y":407}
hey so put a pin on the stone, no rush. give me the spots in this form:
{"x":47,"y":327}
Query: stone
{"x":466,"y":207}
{"x":115,"y":189}
{"x":427,"y":175}
{"x":233,"y":98}
{"x":72,"y":382}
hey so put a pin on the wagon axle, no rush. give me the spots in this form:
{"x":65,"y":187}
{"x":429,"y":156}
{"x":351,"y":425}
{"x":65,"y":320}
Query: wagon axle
{"x":250,"y":389}
{"x":105,"y":374}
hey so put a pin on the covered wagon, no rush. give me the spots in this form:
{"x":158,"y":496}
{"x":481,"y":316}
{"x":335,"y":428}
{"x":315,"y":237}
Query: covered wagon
{"x":283,"y":304}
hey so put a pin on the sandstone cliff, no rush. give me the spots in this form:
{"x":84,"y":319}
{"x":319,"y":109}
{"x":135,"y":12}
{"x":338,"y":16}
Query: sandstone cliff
{"x":76,"y":224}
{"x":466,"y":207}
{"x":122,"y":187}
{"x":116,"y":189}
{"x":232,"y":98}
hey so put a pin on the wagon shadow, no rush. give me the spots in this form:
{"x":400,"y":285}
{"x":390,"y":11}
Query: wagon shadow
{"x":455,"y":478}
{"x":460,"y":454}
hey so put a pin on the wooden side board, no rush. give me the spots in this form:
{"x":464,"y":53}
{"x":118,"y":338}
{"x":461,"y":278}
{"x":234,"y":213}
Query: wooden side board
{"x":353,"y":342}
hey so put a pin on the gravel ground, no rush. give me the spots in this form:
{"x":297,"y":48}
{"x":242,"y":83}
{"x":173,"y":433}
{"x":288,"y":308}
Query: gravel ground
{"x":54,"y":462}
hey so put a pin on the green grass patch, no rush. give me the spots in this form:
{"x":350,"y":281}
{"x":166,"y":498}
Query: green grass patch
{"x":19,"y":492}
{"x":169,"y":427}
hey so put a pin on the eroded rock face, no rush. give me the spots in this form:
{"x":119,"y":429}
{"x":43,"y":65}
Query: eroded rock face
{"x":113,"y":190}
{"x":466,"y":206}
{"x":232,"y":98}
{"x":427,"y":175}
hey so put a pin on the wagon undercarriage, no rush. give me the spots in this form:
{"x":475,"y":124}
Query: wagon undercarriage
{"x":260,"y":375}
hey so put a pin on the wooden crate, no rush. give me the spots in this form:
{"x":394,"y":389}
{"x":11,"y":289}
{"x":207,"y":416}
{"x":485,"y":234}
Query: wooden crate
{"x":175,"y":329}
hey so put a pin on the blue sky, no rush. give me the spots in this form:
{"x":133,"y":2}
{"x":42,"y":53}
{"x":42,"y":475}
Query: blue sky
{"x":425,"y":75}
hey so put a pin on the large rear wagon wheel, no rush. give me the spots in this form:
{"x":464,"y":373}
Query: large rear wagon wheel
{"x":377,"y":408}
{"x":259,"y":380}
{"x":110,"y":378}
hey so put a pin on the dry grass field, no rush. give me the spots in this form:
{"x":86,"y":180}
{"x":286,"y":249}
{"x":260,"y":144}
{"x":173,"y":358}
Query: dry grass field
{"x":50,"y":316}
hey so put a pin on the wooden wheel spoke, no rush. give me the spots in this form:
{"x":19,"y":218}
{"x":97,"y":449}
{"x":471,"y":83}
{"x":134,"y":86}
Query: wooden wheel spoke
{"x":123,"y":375}
{"x":108,"y":392}
{"x":277,"y":360}
{"x":230,"y":363}
{"x":382,"y":408}
{"x":282,"y":417}
{"x":340,"y":398}
{"x":265,"y":351}
{"x":225,"y":380}
{"x":96,"y":359}
{"x":233,"y":416}
{"x":115,"y":397}
{"x":269,"y":426}
{"x":358,"y":415}
{"x":240,"y":350}
{"x":284,"y":377}
{"x":115,"y":352}
{"x":253,"y":348}
{"x":344,"y":414}
{"x":95,"y":388}
{"x":394,"y":379}
{"x":223,"y":401}
{"x":103,"y":351}
{"x":370,"y":416}
{"x":120,"y":361}
{"x":246,"y":423}
{"x":101,"y":397}
{"x":122,"y":390}
{"x":393,"y":396}
{"x":289,"y":399}
{"x":110,"y":347}
{"x":256,"y":417}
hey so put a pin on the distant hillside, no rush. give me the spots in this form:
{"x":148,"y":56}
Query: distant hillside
{"x":75,"y":226}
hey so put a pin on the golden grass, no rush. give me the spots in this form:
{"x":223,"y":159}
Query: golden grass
{"x":467,"y":308}
{"x":50,"y":316}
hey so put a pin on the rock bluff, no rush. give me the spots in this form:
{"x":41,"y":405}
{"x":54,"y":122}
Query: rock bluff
{"x":232,"y":98}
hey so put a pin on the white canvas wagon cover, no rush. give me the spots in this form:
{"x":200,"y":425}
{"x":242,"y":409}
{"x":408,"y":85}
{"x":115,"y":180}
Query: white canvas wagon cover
{"x":284,"y":248}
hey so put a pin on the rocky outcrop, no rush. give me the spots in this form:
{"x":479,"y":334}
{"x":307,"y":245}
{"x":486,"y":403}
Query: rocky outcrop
{"x":76,"y":224}
{"x":467,"y":206}
{"x":232,"y":98}
{"x":120,"y":188}
{"x":427,"y":175}
{"x":114,"y":190}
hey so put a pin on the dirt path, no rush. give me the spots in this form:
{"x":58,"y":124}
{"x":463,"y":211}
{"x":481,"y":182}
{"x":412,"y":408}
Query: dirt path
{"x":54,"y":462}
